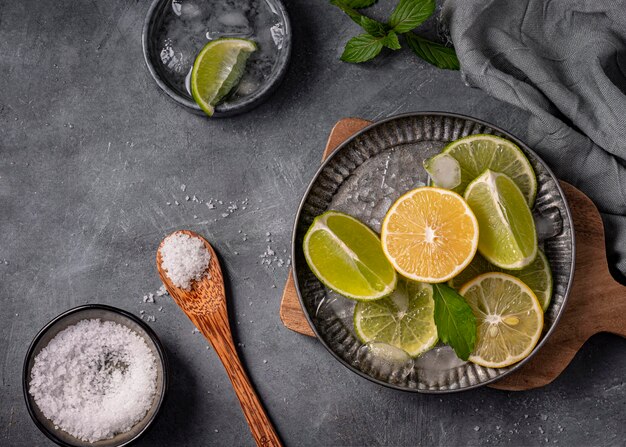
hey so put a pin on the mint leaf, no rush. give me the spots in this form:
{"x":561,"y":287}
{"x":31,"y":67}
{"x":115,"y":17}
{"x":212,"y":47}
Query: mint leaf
{"x":373,"y":27}
{"x":358,"y":4}
{"x":455,"y":321}
{"x":391,"y":41}
{"x":410,"y":13}
{"x":432,"y":52}
{"x":362,"y":48}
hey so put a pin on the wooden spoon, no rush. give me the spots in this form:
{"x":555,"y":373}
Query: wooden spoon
{"x":205,"y":305}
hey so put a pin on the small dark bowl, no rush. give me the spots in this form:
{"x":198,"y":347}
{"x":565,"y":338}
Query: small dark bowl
{"x":149,"y":38}
{"x":104,"y":313}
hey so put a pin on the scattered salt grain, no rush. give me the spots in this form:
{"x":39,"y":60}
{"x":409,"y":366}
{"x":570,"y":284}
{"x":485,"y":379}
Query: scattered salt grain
{"x":162,"y":291}
{"x":184,"y":259}
{"x":183,"y":187}
{"x":150,"y":319}
{"x":149,"y":298}
{"x":94,"y":379}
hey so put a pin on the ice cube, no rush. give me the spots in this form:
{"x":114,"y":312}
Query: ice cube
{"x":233,"y":19}
{"x":187,"y":9}
{"x":172,"y":59}
{"x":278,"y":35}
{"x":177,"y":7}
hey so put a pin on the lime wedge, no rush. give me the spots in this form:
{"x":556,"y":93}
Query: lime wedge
{"x":507,"y":236}
{"x":217,"y":69}
{"x":537,"y":276}
{"x":404,"y":320}
{"x":476,"y":153}
{"x":347,"y":257}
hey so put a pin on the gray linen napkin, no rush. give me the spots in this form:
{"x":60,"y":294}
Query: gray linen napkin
{"x":564,"y":61}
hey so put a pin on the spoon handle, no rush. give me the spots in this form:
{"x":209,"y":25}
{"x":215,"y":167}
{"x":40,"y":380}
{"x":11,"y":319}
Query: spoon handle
{"x":216,"y":329}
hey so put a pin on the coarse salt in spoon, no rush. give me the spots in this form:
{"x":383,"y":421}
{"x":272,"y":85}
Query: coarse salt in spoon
{"x":197,"y":286}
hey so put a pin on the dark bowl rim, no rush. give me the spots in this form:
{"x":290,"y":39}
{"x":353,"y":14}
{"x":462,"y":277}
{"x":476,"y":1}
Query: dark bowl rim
{"x":29,"y":353}
{"x":295,"y":266}
{"x":253,"y":100}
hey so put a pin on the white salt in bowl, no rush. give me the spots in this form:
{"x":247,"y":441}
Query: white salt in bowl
{"x":103,"y":313}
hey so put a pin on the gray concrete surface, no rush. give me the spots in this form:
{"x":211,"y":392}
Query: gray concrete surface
{"x":90,"y":153}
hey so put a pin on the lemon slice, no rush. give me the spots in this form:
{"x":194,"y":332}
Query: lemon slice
{"x":476,"y":153}
{"x":346,"y":257}
{"x":217,"y":69}
{"x":430,"y":234}
{"x":508,"y":316}
{"x":404,"y":320}
{"x":508,"y":237}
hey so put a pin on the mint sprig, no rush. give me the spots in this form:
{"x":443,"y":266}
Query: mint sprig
{"x":456,"y":323}
{"x":406,"y":16}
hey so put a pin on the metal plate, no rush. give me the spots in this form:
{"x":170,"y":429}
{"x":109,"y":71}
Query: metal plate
{"x":363,"y":177}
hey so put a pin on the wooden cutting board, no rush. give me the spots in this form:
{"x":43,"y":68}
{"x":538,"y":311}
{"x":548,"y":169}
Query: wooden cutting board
{"x":597,"y":303}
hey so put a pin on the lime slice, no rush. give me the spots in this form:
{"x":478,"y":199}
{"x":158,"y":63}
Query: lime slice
{"x":508,"y":316}
{"x":404,"y":320}
{"x":507,"y":235}
{"x":537,"y":276}
{"x":347,"y":257}
{"x":217,"y":69}
{"x":476,"y":153}
{"x":444,"y":170}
